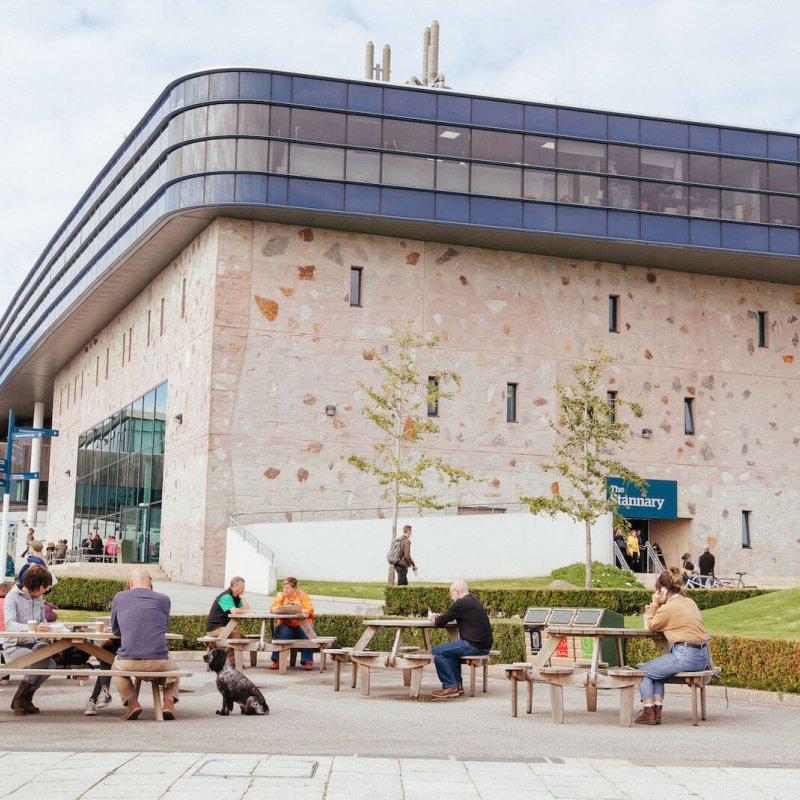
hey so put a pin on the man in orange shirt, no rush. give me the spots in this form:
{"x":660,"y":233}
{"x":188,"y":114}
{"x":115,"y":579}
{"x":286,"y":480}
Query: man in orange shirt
{"x":294,"y":628}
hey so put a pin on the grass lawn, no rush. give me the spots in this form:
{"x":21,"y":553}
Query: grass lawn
{"x":374,"y":591}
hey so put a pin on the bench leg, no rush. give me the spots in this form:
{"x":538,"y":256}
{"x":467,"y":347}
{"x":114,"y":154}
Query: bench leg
{"x":337,"y":673}
{"x":238,"y":659}
{"x":364,"y":680}
{"x":416,"y":682}
{"x":322,"y":659}
{"x":407,"y":677}
{"x":283,"y":658}
{"x":485,"y":675}
{"x":472,"y":679}
{"x":703,"y":702}
{"x":693,"y":686}
{"x":529,"y":708}
{"x":253,"y":658}
{"x":354,"y":675}
{"x":513,"y":696}
{"x":157,"y":707}
{"x":591,"y":697}
{"x":557,"y":702}
{"x":626,"y":706}
{"x":294,"y":659}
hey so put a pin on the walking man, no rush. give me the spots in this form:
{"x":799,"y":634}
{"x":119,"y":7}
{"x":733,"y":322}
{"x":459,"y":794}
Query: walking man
{"x":401,"y":568}
{"x":475,"y":634}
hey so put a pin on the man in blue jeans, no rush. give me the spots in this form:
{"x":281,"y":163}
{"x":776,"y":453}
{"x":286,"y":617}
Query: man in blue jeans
{"x":475,"y":634}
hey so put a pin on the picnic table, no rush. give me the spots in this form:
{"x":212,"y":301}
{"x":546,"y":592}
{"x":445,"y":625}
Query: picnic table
{"x":62,"y":637}
{"x":262,"y":643}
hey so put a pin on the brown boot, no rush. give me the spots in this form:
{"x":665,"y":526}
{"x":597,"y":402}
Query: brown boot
{"x":27,"y":701}
{"x":169,"y":706}
{"x":657,"y":710}
{"x":17,"y":703}
{"x":133,"y":708}
{"x":647,"y":716}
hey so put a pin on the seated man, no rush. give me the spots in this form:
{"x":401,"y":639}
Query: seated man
{"x":139,"y":616}
{"x":228,"y":603}
{"x":294,"y":628}
{"x":476,"y":638}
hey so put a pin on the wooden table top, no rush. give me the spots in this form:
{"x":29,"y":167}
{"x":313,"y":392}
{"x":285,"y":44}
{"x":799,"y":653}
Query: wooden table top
{"x":593,"y":630}
{"x":79,"y":635}
{"x":422,"y":622}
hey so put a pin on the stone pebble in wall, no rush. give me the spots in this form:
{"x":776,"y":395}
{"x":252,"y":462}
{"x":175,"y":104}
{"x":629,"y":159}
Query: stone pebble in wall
{"x":269,"y":308}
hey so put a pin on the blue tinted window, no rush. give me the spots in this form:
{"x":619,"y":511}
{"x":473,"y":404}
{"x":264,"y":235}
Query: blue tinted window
{"x":282,"y":88}
{"x":745,"y":237}
{"x":665,"y":229}
{"x":316,"y":92}
{"x":743,"y":143}
{"x":497,"y":114}
{"x":276,"y":191}
{"x":192,"y":190}
{"x":316,"y":194}
{"x":498,"y":213}
{"x":539,"y":217}
{"x":177,"y":97}
{"x":196,"y":90}
{"x":623,"y":225}
{"x":454,"y":109}
{"x":224,"y":86}
{"x":704,"y":137}
{"x":784,"y":240}
{"x":452,"y":208}
{"x":783,"y":147}
{"x":583,"y":221}
{"x":362,"y":199}
{"x":704,"y":233}
{"x":408,"y":103}
{"x":407,"y":203}
{"x":665,"y":134}
{"x":623,"y":129}
{"x":251,"y":189}
{"x":365,"y":98}
{"x":254,"y":86}
{"x":540,"y":119}
{"x":581,"y":123}
{"x":219,"y":189}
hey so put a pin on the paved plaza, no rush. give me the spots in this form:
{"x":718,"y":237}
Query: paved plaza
{"x":317,"y":743}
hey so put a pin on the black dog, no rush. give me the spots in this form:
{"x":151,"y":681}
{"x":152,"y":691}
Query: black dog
{"x":234,"y":687}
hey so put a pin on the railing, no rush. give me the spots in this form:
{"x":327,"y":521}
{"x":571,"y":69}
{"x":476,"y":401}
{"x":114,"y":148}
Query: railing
{"x":240,"y":521}
{"x":653,"y":562}
{"x":619,"y":558}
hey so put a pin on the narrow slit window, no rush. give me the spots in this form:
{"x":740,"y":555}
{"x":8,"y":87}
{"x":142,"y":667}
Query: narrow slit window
{"x":746,"y":530}
{"x":511,"y":402}
{"x":148,"y":326}
{"x":433,"y":396}
{"x":762,"y":328}
{"x":161,"y":319}
{"x":124,"y":347}
{"x":97,"y":372}
{"x":130,"y":342}
{"x":356,"y":276}
{"x":108,"y":353}
{"x":688,"y":416}
{"x":613,"y":313}
{"x":183,"y":299}
{"x":611,"y":401}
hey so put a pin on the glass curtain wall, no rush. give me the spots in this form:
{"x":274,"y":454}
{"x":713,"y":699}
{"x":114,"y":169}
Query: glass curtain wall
{"x":120,"y":476}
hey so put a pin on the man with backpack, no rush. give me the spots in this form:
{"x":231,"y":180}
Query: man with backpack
{"x":400,"y":556}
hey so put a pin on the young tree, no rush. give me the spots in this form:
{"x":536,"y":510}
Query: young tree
{"x":586,"y":430}
{"x":400,"y":410}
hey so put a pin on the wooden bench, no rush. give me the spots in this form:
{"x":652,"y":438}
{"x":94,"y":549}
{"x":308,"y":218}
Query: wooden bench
{"x":284,"y":647}
{"x":473,"y":662}
{"x":341,"y":655}
{"x":556,"y":677}
{"x":697,"y":682}
{"x":626,"y":679}
{"x":412,"y":663}
{"x":154,"y":678}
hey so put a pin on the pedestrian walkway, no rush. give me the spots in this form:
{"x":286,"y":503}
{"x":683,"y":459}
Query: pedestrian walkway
{"x":188,"y":776}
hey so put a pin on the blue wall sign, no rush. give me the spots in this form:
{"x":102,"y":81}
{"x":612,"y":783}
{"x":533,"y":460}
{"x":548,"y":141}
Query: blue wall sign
{"x":658,"y":501}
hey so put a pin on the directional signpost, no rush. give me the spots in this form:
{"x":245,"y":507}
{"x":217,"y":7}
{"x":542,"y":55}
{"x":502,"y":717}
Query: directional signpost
{"x":9,"y":476}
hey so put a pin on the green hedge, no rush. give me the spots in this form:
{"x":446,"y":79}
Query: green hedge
{"x":415,"y":601}
{"x":86,"y":594}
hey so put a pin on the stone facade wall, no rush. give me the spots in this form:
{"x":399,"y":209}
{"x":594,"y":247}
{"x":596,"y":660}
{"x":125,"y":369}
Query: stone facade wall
{"x":270,"y":339}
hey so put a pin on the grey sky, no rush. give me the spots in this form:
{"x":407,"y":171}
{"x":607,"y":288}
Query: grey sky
{"x":79,"y":75}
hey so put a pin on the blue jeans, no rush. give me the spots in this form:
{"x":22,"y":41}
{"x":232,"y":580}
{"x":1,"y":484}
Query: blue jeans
{"x":447,"y":660}
{"x":283,"y":631}
{"x":680,"y":659}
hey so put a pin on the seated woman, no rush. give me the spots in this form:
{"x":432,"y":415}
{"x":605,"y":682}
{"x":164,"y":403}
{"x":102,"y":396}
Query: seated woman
{"x":294,"y":628}
{"x":22,"y":604}
{"x":678,"y":618}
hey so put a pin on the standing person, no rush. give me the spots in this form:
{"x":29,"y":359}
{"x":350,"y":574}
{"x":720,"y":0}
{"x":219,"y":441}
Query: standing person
{"x":228,"y":603}
{"x":706,"y":562}
{"x":294,"y":628}
{"x":475,"y":634}
{"x":632,"y":550}
{"x":139,"y":616}
{"x":97,"y":547}
{"x":401,"y":568}
{"x":688,"y":567}
{"x":678,"y":618}
{"x":22,"y":604}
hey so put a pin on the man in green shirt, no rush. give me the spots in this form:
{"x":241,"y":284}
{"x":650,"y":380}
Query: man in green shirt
{"x":230,"y":602}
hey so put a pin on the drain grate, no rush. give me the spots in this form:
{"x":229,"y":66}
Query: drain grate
{"x":256,"y":768}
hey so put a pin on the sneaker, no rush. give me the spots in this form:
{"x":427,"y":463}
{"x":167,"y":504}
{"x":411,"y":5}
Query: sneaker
{"x":450,"y":691}
{"x":91,"y":708}
{"x":308,"y":665}
{"x":133,"y":709}
{"x":275,"y":665}
{"x":104,"y":699}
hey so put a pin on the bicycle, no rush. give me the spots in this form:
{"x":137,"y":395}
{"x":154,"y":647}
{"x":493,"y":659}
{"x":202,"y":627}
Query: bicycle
{"x":738,"y":583}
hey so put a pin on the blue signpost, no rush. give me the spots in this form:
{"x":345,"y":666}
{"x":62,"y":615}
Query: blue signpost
{"x":9,"y":476}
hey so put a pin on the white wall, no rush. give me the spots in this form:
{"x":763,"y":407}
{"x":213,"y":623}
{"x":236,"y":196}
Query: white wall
{"x":470,"y":547}
{"x":241,"y":559}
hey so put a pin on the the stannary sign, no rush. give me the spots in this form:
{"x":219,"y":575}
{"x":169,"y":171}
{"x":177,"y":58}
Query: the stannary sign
{"x":659,"y":500}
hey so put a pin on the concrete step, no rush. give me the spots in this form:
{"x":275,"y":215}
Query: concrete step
{"x":110,"y":571}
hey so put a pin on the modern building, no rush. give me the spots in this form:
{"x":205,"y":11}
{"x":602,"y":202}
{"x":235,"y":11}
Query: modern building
{"x":199,"y":325}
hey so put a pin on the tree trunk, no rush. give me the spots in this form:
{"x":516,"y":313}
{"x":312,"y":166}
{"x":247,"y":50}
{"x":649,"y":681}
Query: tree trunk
{"x":588,"y":555}
{"x":395,"y":501}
